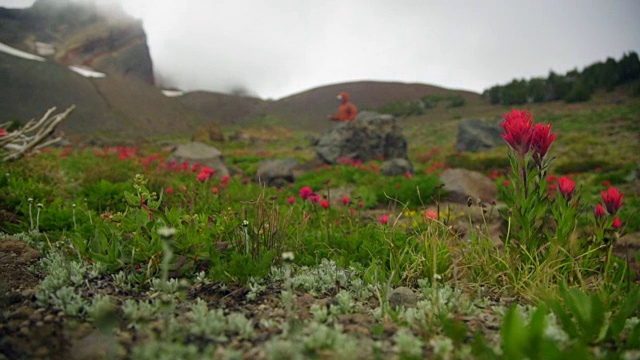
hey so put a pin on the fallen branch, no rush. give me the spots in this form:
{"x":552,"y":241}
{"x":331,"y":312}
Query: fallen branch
{"x":33,"y":135}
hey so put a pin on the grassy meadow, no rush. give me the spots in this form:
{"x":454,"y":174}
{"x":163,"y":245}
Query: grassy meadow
{"x":167,"y":260}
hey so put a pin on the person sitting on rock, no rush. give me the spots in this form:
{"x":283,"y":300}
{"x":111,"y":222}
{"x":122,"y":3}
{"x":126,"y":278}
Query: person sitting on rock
{"x":347,"y":111}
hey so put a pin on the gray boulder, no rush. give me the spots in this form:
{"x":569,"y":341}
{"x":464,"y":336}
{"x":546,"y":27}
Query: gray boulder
{"x":476,"y":135}
{"x":276,"y":172}
{"x":462,"y":184}
{"x":370,"y":136}
{"x":197,"y":152}
{"x":396,"y":166}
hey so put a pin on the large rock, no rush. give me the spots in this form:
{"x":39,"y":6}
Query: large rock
{"x":396,"y":167}
{"x":276,"y":172}
{"x":197,"y":152}
{"x":462,"y":184}
{"x":476,"y":135}
{"x":370,"y":136}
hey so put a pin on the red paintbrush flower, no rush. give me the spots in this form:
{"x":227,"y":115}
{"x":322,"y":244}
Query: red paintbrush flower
{"x":567,"y":187}
{"x":541,"y":140}
{"x":518,"y":128}
{"x":324,"y":204}
{"x":305,"y":191}
{"x":612,"y":200}
{"x":599,"y":212}
{"x":617,"y":223}
{"x":383,"y":219}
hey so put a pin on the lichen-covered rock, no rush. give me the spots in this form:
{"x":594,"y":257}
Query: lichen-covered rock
{"x":197,"y":152}
{"x":371,"y":136}
{"x":462,"y":184}
{"x":276,"y":172}
{"x":476,"y":135}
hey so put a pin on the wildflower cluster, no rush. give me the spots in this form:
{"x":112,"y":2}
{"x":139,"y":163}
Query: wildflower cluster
{"x":606,"y":219}
{"x":544,"y":208}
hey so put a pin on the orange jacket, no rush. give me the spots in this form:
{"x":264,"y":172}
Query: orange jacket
{"x":347,"y":111}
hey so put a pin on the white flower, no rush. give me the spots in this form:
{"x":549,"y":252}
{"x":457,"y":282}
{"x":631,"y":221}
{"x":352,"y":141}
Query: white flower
{"x":166,"y":232}
{"x":288,"y":256}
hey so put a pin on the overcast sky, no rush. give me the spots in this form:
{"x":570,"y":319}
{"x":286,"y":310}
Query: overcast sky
{"x":279,"y":47}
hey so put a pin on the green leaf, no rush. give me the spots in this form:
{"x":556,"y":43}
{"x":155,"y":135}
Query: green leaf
{"x":131,"y":199}
{"x":630,"y":305}
{"x":514,"y":335}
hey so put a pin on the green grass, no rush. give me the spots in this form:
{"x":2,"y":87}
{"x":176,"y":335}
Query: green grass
{"x":99,"y":220}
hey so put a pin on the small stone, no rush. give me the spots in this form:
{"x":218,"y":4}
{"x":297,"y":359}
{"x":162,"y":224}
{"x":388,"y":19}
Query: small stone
{"x":35,"y":317}
{"x":41,"y":352}
{"x":27,"y":293}
{"x":49,"y":318}
{"x":24,"y":330}
{"x":39,"y":310}
{"x":23,"y":312}
{"x":403,"y":296}
{"x":39,"y":323}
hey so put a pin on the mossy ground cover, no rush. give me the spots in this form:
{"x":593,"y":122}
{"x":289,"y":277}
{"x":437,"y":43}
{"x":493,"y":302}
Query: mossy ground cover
{"x":132,"y":257}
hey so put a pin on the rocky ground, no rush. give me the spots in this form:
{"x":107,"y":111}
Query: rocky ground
{"x":29,"y":331}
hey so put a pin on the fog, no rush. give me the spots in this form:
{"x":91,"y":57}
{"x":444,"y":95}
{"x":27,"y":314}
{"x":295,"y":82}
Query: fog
{"x":280,"y":47}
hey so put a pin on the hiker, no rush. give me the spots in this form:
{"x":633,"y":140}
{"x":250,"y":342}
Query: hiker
{"x":347,"y":111}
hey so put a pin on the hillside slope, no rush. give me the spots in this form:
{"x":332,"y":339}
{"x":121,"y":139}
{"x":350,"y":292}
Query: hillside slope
{"x":114,"y":106}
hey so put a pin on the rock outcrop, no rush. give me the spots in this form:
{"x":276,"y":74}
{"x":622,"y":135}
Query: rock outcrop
{"x":205,"y":155}
{"x":371,"y":136}
{"x":476,"y":135}
{"x":462,"y":184}
{"x":276,"y":172}
{"x":88,"y":34}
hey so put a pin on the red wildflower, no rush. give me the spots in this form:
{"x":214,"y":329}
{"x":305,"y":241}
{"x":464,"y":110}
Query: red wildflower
{"x":345,"y":200}
{"x":314,"y":198}
{"x":3,"y":132}
{"x":408,"y":175}
{"x":207,"y":170}
{"x":169,"y":190}
{"x":215,"y":190}
{"x":612,"y":200}
{"x":617,"y":224}
{"x":225,"y":179}
{"x":518,"y":127}
{"x":305,"y":191}
{"x":383,"y":219}
{"x":431,"y":215}
{"x":291,"y":199}
{"x":202,"y":176}
{"x":361,"y":204}
{"x":245,"y":181}
{"x":541,"y":140}
{"x":599,"y":212}
{"x":567,"y":187}
{"x":324,"y":204}
{"x":195,"y":167}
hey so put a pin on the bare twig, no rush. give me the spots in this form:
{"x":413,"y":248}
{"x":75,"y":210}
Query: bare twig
{"x":33,"y":135}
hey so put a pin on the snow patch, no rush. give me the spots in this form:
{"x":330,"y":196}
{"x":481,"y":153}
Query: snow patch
{"x":172,"y":93}
{"x":19,"y":53}
{"x":87,"y":72}
{"x":45,"y":49}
